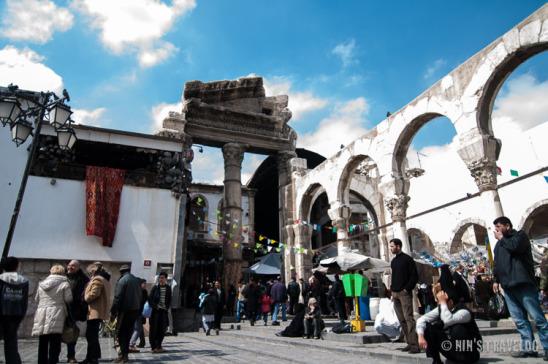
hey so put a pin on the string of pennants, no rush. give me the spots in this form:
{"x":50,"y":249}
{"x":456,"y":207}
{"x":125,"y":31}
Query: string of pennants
{"x":264,"y":243}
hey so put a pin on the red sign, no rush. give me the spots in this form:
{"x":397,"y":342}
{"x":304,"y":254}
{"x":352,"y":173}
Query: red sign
{"x":147,"y":263}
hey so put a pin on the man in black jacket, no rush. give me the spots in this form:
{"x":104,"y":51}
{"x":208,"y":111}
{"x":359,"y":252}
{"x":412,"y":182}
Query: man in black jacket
{"x":160,"y":301}
{"x":78,"y":307}
{"x":461,"y":285}
{"x":221,"y":304}
{"x":514,"y":271}
{"x":337,"y":293}
{"x":404,"y":279}
{"x":125,"y":306}
{"x":14,"y":291}
{"x":293,"y":290}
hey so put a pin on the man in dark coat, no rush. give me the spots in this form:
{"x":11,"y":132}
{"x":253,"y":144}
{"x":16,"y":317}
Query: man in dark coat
{"x":461,"y":285}
{"x":78,"y":307}
{"x":278,"y":292}
{"x":293,"y":290}
{"x":252,"y":292}
{"x":14,"y":291}
{"x":160,"y":301}
{"x":221,"y":304}
{"x":404,"y":279}
{"x":125,"y":307}
{"x":337,"y":293}
{"x":514,"y":271}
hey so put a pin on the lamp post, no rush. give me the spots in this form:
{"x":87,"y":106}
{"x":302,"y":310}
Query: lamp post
{"x":24,"y":111}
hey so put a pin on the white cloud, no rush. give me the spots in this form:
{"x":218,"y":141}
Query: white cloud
{"x":89,"y":117}
{"x":34,"y":20}
{"x":524,"y":102}
{"x":208,"y":167}
{"x":160,"y":112}
{"x":151,"y":57}
{"x":135,"y":26}
{"x":24,"y":67}
{"x":342,"y":126}
{"x":300,"y":103}
{"x":434,"y":68}
{"x":346,"y":52}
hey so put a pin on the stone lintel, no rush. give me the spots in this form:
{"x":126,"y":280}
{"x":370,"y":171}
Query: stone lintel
{"x":227,"y":90}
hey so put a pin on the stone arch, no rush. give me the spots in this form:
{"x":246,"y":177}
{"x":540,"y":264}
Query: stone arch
{"x":419,"y":241}
{"x":307,"y":200}
{"x":462,"y":227}
{"x":501,"y":72}
{"x":534,"y":211}
{"x":199,"y":211}
{"x":404,"y":139}
{"x":343,"y":186}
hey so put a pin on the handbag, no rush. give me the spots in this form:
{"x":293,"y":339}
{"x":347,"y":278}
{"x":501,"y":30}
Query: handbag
{"x":497,"y":307}
{"x":147,"y":310}
{"x":70,"y":330}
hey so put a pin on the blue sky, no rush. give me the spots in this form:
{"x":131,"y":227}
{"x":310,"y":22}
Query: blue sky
{"x":348,"y":60}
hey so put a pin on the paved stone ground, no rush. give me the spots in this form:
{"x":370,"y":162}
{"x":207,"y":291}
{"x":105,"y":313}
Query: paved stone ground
{"x":259,"y":345}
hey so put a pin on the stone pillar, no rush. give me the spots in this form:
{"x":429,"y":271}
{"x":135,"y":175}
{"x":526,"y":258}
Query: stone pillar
{"x":233,"y":154}
{"x":303,"y":260}
{"x":285,"y":199}
{"x":484,"y":172}
{"x":397,"y":205}
{"x":289,"y":253}
{"x":480,"y":153}
{"x":339,"y":218}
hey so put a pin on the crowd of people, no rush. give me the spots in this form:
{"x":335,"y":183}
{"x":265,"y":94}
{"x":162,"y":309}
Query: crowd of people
{"x":68,"y":298}
{"x":447,"y":309}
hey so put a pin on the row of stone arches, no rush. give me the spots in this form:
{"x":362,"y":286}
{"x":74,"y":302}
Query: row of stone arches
{"x":465,"y":97}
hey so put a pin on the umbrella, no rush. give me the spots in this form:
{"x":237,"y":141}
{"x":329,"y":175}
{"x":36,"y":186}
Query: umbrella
{"x":269,"y":264}
{"x":355,"y":261}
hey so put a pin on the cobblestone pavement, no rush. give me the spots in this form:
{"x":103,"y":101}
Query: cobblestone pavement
{"x":260,"y":345}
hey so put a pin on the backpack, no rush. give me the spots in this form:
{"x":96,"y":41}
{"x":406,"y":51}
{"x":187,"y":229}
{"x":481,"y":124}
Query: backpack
{"x":13,"y":298}
{"x":342,"y":329}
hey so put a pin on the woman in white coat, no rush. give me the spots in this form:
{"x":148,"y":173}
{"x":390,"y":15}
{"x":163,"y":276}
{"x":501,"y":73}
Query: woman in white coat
{"x":52,"y":295}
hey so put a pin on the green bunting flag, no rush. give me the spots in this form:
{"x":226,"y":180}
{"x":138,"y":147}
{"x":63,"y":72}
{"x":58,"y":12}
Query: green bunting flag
{"x":514,"y":173}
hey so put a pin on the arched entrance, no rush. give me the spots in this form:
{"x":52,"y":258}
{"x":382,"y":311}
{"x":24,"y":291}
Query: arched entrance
{"x":468,"y":234}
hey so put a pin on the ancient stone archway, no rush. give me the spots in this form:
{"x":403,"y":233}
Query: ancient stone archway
{"x":308,"y":199}
{"x":419,"y":241}
{"x":365,"y":163}
{"x":470,"y":231}
{"x":535,"y":220}
{"x":405,"y":138}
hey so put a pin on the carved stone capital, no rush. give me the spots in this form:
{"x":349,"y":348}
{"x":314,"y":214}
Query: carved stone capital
{"x":484,"y":172}
{"x":233,"y":154}
{"x":397,"y":205}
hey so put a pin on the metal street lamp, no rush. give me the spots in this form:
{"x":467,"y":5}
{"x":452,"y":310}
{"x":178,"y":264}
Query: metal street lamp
{"x":24,"y":111}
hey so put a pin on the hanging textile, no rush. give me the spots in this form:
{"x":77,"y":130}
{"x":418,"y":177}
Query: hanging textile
{"x":103,"y":193}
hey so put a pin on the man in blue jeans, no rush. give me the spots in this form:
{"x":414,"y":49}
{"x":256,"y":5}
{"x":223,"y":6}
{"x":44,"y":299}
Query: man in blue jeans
{"x":278,"y":292}
{"x":515,"y":273}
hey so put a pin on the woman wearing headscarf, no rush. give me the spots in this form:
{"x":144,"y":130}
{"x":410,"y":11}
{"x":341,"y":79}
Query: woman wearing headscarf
{"x":451,"y":322}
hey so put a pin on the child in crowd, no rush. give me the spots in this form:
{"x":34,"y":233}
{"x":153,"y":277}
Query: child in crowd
{"x":265,"y":302}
